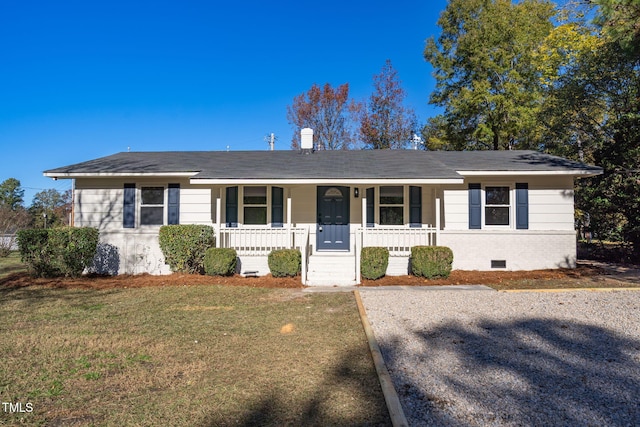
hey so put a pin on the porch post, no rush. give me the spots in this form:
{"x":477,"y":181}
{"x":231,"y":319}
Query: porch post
{"x":359,"y":235}
{"x":218,"y":217}
{"x":437,"y":220}
{"x":289,"y":218}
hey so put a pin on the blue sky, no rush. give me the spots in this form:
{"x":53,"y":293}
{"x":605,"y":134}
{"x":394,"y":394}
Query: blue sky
{"x":85,"y":79}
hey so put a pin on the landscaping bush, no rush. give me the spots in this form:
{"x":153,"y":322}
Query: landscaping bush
{"x":431,"y":261}
{"x":184,"y":246}
{"x":285,"y":262}
{"x":374,"y":262}
{"x":34,"y":251}
{"x":220,"y":261}
{"x":64,"y":251}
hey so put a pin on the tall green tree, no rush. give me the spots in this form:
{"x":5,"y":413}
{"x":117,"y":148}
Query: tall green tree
{"x":620,"y":20}
{"x":329,"y":112}
{"x":591,"y":112}
{"x":11,"y":194}
{"x":486,"y":80}
{"x":384,"y":120}
{"x":13,"y":215}
{"x":50,"y":208}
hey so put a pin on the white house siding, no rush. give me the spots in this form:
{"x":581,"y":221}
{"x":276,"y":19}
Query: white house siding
{"x":548,"y":243}
{"x":195,"y":204}
{"x":99,"y":203}
{"x":550,"y":201}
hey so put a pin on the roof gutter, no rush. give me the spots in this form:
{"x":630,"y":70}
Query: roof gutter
{"x":72,"y":175}
{"x":322,"y":181}
{"x":577,"y":173}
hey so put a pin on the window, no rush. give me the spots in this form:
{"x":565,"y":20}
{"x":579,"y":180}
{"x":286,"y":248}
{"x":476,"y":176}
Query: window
{"x":255,"y":205}
{"x":497,"y":206}
{"x":152,"y":206}
{"x":391,"y":205}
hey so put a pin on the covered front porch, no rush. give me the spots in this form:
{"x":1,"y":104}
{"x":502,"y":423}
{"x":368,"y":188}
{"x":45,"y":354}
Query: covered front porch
{"x":329,"y":224}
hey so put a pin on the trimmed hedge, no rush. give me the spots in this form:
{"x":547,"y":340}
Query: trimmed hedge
{"x":431,"y":261}
{"x":285,"y":262}
{"x":220,"y":261}
{"x":374,"y":262}
{"x":184,"y":246}
{"x":64,"y":251}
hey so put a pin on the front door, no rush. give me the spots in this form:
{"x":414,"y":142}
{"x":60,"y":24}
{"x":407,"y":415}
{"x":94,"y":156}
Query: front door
{"x":332,"y":229}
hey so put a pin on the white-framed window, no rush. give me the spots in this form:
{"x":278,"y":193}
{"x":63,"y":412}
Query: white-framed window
{"x":391,"y":205}
{"x":152,"y":203}
{"x":254,"y":201}
{"x":497,"y":205}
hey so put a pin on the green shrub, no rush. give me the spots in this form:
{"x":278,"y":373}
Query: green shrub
{"x":374,"y":262}
{"x":64,"y":251}
{"x":73,"y":249}
{"x":220,"y":261}
{"x":184,"y":246}
{"x":285,"y":262}
{"x":34,"y":251}
{"x":431,"y":261}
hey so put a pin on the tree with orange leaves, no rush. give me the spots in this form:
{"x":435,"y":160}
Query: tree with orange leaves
{"x":384,"y":121}
{"x":328,"y":112}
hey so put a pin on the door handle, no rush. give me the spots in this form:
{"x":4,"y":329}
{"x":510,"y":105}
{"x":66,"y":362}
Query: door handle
{"x":320,"y":229}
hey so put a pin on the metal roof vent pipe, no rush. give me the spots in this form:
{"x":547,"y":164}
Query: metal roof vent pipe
{"x":306,"y":140}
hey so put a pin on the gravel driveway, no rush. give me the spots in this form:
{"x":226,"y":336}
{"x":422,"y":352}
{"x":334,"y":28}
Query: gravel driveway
{"x":478,"y":357}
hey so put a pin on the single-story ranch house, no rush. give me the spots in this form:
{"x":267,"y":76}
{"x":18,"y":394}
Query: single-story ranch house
{"x":508,"y":210}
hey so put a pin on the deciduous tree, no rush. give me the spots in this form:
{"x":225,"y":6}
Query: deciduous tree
{"x":52,"y":203}
{"x":485,"y":77}
{"x":329,"y":112}
{"x":592,"y":112}
{"x":11,"y":220}
{"x":384,"y":121}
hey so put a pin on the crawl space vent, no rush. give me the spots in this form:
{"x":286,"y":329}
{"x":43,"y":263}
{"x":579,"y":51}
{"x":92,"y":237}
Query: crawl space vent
{"x":498,"y":263}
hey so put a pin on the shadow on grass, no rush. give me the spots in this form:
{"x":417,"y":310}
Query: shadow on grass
{"x":35,"y":294}
{"x":526,"y":372}
{"x":324,"y":406}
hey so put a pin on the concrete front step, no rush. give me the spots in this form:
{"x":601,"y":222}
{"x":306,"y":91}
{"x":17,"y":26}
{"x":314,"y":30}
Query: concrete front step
{"x":331,"y":270}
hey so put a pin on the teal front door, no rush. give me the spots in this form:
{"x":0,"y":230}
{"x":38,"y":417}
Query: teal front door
{"x":332,"y":230}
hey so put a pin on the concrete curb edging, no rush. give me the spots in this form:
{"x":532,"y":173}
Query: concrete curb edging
{"x":559,"y":290}
{"x":396,"y":413}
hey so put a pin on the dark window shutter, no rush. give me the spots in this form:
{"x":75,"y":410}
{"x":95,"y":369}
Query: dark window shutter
{"x":277,"y":206}
{"x":522,"y":206}
{"x":475,"y":207}
{"x":370,"y":207}
{"x":415,"y":206}
{"x":173,"y":211}
{"x":129,"y":206}
{"x":232,"y":207}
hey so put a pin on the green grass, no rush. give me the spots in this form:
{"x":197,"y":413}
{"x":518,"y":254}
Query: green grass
{"x":201,"y":355}
{"x":11,"y":264}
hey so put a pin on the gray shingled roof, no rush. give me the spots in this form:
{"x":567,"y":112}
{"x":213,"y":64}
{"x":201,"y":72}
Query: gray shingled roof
{"x":356,"y":164}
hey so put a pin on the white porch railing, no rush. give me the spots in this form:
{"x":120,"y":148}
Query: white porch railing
{"x":255,"y":241}
{"x":398,"y":240}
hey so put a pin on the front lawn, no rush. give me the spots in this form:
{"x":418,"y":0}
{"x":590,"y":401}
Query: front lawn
{"x":185,"y":355}
{"x":11,"y":264}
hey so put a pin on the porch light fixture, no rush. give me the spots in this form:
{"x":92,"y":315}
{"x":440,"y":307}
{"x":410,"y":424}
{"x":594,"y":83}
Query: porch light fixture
{"x":356,"y":192}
